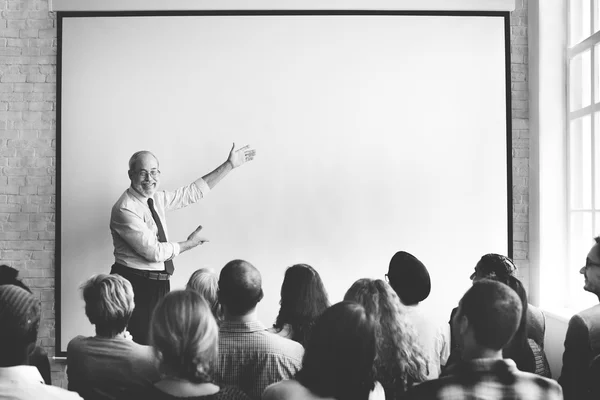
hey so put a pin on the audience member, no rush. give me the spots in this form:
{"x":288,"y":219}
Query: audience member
{"x":20,"y":313}
{"x":400,"y":362}
{"x":303,"y":299}
{"x":410,"y":279}
{"x":38,"y":357}
{"x":184,"y":335}
{"x":206,"y":282}
{"x":106,"y":365}
{"x":582,"y":342}
{"x":250,"y":357}
{"x":488,"y":316}
{"x":338,"y":363}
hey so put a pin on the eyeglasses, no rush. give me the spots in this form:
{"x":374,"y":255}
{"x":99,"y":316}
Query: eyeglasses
{"x":145,"y":174}
{"x":591,"y":265}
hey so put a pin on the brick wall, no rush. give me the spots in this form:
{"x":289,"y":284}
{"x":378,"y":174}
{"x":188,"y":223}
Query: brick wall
{"x":28,"y":149}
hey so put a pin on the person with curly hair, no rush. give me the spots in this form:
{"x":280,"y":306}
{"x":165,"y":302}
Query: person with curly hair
{"x":303,"y":299}
{"x":338,"y":362}
{"x":184,"y":336}
{"x":399,"y":362}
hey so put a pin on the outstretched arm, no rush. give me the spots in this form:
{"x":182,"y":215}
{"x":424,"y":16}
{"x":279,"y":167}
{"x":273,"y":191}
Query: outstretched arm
{"x":236,"y":158}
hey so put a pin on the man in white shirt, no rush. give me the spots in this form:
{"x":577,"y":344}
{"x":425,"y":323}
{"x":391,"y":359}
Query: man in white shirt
{"x":19,"y":322}
{"x":143,"y":253}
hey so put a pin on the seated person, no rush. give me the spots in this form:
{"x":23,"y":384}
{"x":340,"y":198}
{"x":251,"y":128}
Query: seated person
{"x":183,"y":333}
{"x":410,"y":280}
{"x":339,"y":359}
{"x":38,"y":357}
{"x":105,"y":365}
{"x":487,"y":318}
{"x":400,"y":362}
{"x":206,"y":282}
{"x":303,"y":299}
{"x":20,"y":313}
{"x":250,"y":358}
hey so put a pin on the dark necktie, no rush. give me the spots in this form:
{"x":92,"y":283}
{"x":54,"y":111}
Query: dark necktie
{"x":169,"y":267}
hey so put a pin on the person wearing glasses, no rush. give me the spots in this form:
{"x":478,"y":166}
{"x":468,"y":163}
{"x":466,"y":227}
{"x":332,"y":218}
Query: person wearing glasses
{"x":582,"y":342}
{"x":143,"y":252}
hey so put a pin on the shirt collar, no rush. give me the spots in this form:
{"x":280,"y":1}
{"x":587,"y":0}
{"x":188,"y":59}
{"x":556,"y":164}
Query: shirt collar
{"x":138,"y":196}
{"x":21,"y":373}
{"x":242,"y":327}
{"x":479,"y":365}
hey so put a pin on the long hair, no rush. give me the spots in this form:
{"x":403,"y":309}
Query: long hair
{"x":184,"y":335}
{"x":339,"y":354}
{"x":400,"y":362}
{"x":518,"y":348}
{"x":303,"y":299}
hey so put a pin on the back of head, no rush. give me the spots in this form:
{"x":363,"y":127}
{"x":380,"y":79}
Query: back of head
{"x":340,"y":352}
{"x":240,"y":287}
{"x":20,"y":313}
{"x":184,"y":334}
{"x":206,"y":282}
{"x":303,"y":299}
{"x":9,"y":276}
{"x":493,"y":311}
{"x":108,"y":303}
{"x":493,"y":264}
{"x":409,"y":278}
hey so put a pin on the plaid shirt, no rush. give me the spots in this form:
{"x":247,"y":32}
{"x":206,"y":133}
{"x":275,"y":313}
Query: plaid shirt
{"x":487,"y":378}
{"x":251,"y":358}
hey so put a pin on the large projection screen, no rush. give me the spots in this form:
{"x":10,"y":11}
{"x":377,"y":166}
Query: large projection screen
{"x":374,"y":132}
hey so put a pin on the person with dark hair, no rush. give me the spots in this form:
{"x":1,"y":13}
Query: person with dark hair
{"x":339,"y":359}
{"x":303,"y":299}
{"x":20,"y":314}
{"x":400,"y":362}
{"x":104,"y":366}
{"x":582,"y":341}
{"x":410,"y":280}
{"x":143,"y":251}
{"x":250,"y":357}
{"x":488,"y":316}
{"x":38,"y":357}
{"x":184,"y":336}
{"x":527,"y":347}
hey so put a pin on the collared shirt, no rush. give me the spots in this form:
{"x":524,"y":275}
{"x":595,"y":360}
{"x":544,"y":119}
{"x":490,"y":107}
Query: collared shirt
{"x":24,"y":382}
{"x":487,"y":378}
{"x":251,"y":358}
{"x":135,"y":233}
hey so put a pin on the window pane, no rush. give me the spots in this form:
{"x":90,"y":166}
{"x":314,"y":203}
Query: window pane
{"x":580,"y":163}
{"x":597,"y":166}
{"x":580,"y":80}
{"x":596,"y":27}
{"x":579,"y":21}
{"x":580,"y":242}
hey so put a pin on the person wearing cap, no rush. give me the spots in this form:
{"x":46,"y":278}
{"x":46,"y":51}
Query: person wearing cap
{"x":20,"y":313}
{"x":143,"y":252}
{"x":410,"y":280}
{"x":582,"y":341}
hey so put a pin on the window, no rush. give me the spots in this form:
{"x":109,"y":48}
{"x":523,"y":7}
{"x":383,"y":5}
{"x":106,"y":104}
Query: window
{"x":583,"y":140}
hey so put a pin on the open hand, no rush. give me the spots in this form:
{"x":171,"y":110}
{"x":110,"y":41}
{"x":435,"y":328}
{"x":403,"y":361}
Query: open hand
{"x":196,"y":238}
{"x":240,"y":156}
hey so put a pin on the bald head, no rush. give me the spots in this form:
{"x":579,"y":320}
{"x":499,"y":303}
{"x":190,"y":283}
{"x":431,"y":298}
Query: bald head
{"x":240,"y":287}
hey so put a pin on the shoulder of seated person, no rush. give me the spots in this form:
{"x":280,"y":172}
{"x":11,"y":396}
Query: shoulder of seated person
{"x":286,"y":389}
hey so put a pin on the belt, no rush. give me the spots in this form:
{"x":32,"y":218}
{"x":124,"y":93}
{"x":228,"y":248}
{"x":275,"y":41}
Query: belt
{"x":153,"y":275}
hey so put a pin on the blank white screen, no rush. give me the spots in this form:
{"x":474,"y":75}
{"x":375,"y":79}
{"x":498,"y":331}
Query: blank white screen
{"x":374,"y":134}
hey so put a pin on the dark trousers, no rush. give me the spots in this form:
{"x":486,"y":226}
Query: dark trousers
{"x":147,"y":293}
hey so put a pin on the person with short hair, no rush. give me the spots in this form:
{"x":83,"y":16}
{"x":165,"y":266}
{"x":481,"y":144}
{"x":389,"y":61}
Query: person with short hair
{"x":488,"y":316}
{"x":409,"y":278}
{"x":582,"y":341}
{"x":250,"y":357}
{"x":339,"y":359}
{"x":20,"y":314}
{"x":106,"y":365}
{"x":206,"y":282}
{"x":400,"y":363}
{"x":184,"y":336}
{"x":143,"y":251}
{"x":303,"y":299}
{"x":38,"y":357}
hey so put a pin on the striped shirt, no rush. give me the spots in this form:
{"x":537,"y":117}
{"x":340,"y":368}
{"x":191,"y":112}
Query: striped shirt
{"x":487,"y":378}
{"x":251,"y":358}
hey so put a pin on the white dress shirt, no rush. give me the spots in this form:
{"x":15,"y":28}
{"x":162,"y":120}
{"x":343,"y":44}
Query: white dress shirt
{"x":24,"y":382}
